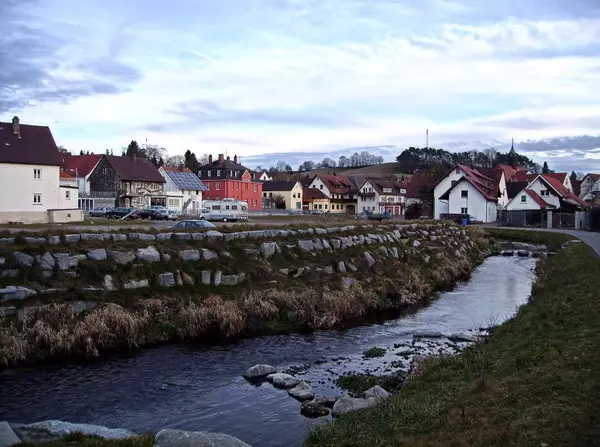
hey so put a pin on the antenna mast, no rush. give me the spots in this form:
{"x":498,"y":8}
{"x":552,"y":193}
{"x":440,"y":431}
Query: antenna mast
{"x":426,"y":138}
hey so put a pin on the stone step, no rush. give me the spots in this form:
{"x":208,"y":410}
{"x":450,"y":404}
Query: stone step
{"x":7,"y":435}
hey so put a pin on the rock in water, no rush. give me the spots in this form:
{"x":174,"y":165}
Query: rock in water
{"x":312,"y":409}
{"x":259,"y":371}
{"x":302,"y":391}
{"x":427,"y":334}
{"x":462,"y":338}
{"x":377,"y":392}
{"x":179,"y":438}
{"x":66,"y":428}
{"x":346,"y":404}
{"x":282,"y":380}
{"x":325,"y":401}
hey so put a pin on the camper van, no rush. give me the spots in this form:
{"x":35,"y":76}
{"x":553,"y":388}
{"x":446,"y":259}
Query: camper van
{"x":226,"y":210}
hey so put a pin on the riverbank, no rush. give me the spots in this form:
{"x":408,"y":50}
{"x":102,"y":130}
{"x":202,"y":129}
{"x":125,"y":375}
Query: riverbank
{"x":220,"y":285}
{"x":534,"y":382}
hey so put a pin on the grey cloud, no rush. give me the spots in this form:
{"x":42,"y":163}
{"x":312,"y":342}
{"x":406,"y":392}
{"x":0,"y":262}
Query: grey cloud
{"x":29,"y":55}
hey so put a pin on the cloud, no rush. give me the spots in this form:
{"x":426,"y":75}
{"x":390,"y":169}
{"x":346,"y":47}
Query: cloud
{"x":36,"y":67}
{"x":264,"y":77}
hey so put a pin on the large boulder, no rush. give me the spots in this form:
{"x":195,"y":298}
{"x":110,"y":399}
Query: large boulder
{"x":377,"y":393}
{"x":121,"y":257}
{"x":46,"y":261}
{"x":312,"y":409}
{"x":306,"y":245}
{"x":66,"y":428}
{"x":259,"y":371}
{"x":23,"y":260}
{"x":282,"y":380}
{"x":179,"y":438}
{"x":189,"y":255}
{"x":346,"y":404}
{"x":149,"y":254}
{"x":302,"y":391}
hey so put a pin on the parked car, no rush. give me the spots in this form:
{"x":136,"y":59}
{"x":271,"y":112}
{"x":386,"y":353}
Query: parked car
{"x":99,"y":211}
{"x":154,"y":214}
{"x":172,"y":215}
{"x":193,"y":225}
{"x":121,"y":212}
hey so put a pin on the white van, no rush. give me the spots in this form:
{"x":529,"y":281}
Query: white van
{"x":226,"y":210}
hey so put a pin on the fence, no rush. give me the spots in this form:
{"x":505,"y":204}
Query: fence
{"x":533,"y":218}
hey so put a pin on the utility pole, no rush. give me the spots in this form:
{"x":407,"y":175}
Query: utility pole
{"x":426,"y":138}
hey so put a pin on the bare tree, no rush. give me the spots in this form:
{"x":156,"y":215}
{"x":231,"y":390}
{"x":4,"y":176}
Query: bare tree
{"x":279,"y":201}
{"x":175,"y":161}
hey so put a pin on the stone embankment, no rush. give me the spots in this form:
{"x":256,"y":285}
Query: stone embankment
{"x":115,"y":290}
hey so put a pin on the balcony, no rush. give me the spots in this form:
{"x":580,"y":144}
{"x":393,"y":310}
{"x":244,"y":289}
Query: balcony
{"x":366,"y":194}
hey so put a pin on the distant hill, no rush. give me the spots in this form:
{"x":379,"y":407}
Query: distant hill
{"x":383,"y":170}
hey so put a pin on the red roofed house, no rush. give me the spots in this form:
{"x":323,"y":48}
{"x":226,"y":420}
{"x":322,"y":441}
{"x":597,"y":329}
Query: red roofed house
{"x":339,"y":189}
{"x":381,"y":196}
{"x":81,"y":166}
{"x":30,"y":177}
{"x":546,"y":191}
{"x":228,"y":179}
{"x":127,"y":181}
{"x":315,"y":200}
{"x":468,"y":191}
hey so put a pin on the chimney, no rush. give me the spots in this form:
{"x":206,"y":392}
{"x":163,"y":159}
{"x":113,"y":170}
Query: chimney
{"x":209,"y":158}
{"x":15,"y":125}
{"x":221,"y":158}
{"x":235,"y":159}
{"x":181,"y":167}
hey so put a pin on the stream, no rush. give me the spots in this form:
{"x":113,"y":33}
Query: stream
{"x":193,"y":387}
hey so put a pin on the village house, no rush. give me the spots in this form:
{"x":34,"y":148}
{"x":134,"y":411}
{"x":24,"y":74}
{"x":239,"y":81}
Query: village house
{"x":467,"y":191}
{"x":315,"y":200}
{"x":227,"y":179}
{"x":339,"y":189}
{"x":183,"y":190}
{"x":30,"y":177}
{"x":589,"y":187}
{"x":381,"y":196}
{"x":80,"y":167}
{"x":129,"y":181}
{"x":282,"y":195}
{"x":264,"y":176}
{"x":545,"y":192}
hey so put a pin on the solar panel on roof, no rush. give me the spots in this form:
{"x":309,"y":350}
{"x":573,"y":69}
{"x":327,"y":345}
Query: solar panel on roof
{"x":186,"y":180}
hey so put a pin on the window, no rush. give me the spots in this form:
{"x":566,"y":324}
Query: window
{"x":227,"y":207}
{"x":37,"y":198}
{"x":464,"y":193}
{"x":545,"y":192}
{"x":209,"y":173}
{"x":173,"y":202}
{"x":298,"y":205}
{"x":104,"y":171}
{"x":255,"y":187}
{"x":320,"y":206}
{"x":270,"y":194}
{"x":255,"y":202}
{"x":218,"y":173}
{"x":217,"y":186}
{"x":37,"y":174}
{"x":523,"y":198}
{"x":320,"y":186}
{"x":325,"y":206}
{"x":457,"y":170}
{"x":197,"y":192}
{"x":234,"y":207}
{"x":68,"y":195}
{"x":216,"y":207}
{"x":464,"y":211}
{"x":264,"y":194}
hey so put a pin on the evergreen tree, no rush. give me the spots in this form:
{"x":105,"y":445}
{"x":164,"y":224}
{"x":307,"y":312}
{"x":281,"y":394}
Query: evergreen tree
{"x":545,"y":169}
{"x":81,"y":152}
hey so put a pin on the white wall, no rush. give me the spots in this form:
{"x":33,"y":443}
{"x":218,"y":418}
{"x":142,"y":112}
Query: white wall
{"x":318,"y":184}
{"x":503,"y":199}
{"x":440,"y":207}
{"x":517,"y":205}
{"x":476,"y":204}
{"x":368,"y":203}
{"x":538,"y":187}
{"x":68,"y":197}
{"x":17,"y":187}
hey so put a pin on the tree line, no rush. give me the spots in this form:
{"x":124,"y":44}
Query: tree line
{"x":431,"y":159}
{"x":356,"y":160}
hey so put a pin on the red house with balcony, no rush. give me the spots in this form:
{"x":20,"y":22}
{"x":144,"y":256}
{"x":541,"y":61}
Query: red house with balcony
{"x":227,"y":179}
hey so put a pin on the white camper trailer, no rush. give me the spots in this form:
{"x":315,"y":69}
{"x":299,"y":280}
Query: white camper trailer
{"x":226,"y":210}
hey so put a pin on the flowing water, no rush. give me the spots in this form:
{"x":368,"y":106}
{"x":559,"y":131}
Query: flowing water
{"x":201,"y":387}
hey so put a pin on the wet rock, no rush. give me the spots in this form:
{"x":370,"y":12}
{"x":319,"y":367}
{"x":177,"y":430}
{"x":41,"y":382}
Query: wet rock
{"x":282,"y":380}
{"x":189,"y":255}
{"x":149,"y":254}
{"x":121,"y":257}
{"x":109,"y":283}
{"x":268,"y":249}
{"x":259,"y":371}
{"x":507,"y":253}
{"x":46,"y":261}
{"x":376,"y":393}
{"x":461,"y":338}
{"x":66,"y":428}
{"x":207,"y":254}
{"x":166,"y":279}
{"x":346,"y":404}
{"x":427,"y":334}
{"x":325,"y":401}
{"x":523,"y":254}
{"x":22,"y":259}
{"x":312,"y":409}
{"x":133,"y":284}
{"x":369,"y":259}
{"x":302,"y":391}
{"x":179,"y":438}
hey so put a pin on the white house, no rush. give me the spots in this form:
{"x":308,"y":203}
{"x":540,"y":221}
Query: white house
{"x":183,"y":189}
{"x":264,"y":176}
{"x":30,"y":176}
{"x":339,"y":189}
{"x":545,"y":192}
{"x":467,"y":191}
{"x":80,"y":167}
{"x":590,"y":186}
{"x":381,"y":196}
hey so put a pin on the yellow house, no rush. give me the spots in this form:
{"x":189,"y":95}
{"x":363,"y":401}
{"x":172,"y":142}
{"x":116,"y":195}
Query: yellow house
{"x":315,"y":200}
{"x":282,"y":195}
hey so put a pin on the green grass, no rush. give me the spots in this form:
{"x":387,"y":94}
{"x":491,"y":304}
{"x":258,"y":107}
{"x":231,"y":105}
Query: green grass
{"x":359,"y":383}
{"x":535,"y":382}
{"x":81,"y":440}
{"x":552,"y":240}
{"x":374,"y":352}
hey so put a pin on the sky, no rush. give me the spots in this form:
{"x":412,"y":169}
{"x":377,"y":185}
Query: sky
{"x":305,"y":79}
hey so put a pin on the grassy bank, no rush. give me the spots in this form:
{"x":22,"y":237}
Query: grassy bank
{"x":552,"y":240}
{"x":535,"y":382}
{"x":80,"y":440}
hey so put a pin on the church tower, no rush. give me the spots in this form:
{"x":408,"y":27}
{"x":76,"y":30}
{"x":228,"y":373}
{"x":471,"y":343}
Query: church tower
{"x":513,"y":159}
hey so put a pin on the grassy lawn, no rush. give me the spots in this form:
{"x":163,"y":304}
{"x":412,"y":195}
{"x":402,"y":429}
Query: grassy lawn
{"x":535,"y":382}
